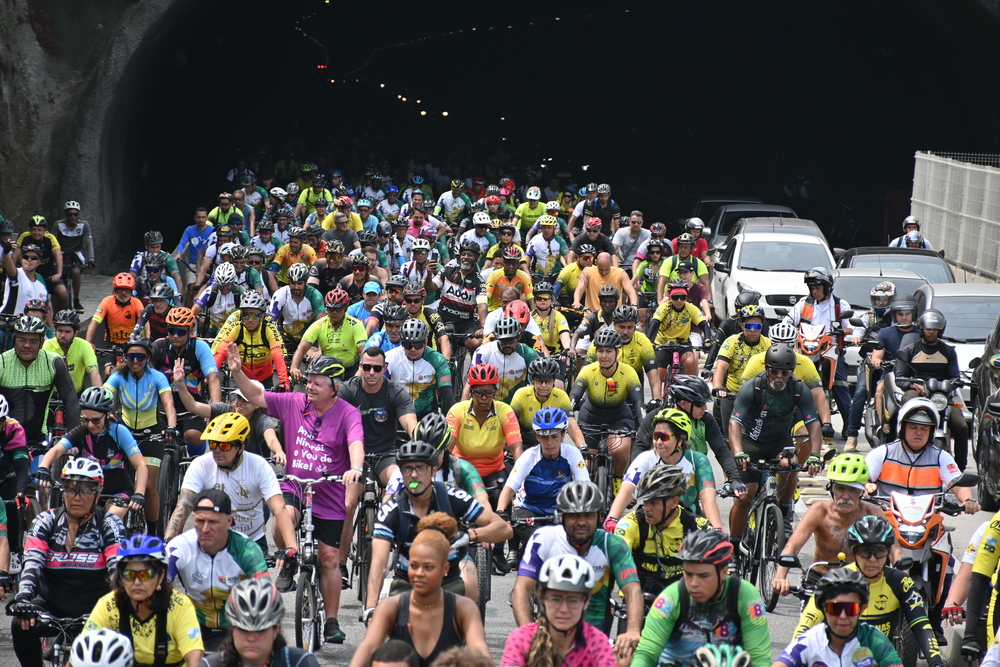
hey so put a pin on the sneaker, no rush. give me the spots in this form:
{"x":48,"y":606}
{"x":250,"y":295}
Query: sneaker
{"x":286,"y":579}
{"x":852,"y":444}
{"x":345,"y":577}
{"x":332,"y":634}
{"x":79,"y":309}
{"x":512,"y":563}
{"x":15,"y":565}
{"x":500,"y":566}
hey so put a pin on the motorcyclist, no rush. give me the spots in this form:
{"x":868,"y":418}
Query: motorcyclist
{"x":911,"y":237}
{"x":903,"y":314}
{"x":878,"y":318}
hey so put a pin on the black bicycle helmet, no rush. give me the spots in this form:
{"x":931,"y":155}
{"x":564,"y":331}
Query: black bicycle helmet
{"x":265,"y":226}
{"x":608,"y":337}
{"x":414,"y":330}
{"x":746,"y":299}
{"x":472,"y":246}
{"x":608,"y":292}
{"x":870,"y":529}
{"x":662,"y":481}
{"x":139,"y":341}
{"x":932,"y":319}
{"x":414,"y":289}
{"x":396,"y":314}
{"x":162,"y":291}
{"x":98,"y":399}
{"x":577,"y":497}
{"x":544,"y":287}
{"x":6,"y":226}
{"x":780,"y":356}
{"x":152,"y":238}
{"x":543,"y":367}
{"x":706,"y":546}
{"x":819,"y":275}
{"x":367,"y":238}
{"x":587,"y":249}
{"x":841,"y":580}
{"x":326,"y":366}
{"x":433,"y":429}
{"x":396,"y":281}
{"x":417,"y":451}
{"x":68,"y":317}
{"x":690,"y":388}
{"x":36,"y":305}
{"x":624,"y":313}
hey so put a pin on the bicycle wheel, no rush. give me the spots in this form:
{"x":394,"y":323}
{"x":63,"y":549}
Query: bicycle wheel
{"x":366,"y":529}
{"x":135,"y":522}
{"x":771,"y":541}
{"x":166,"y":488}
{"x":307,"y":630}
{"x":606,"y":486}
{"x":484,"y":578}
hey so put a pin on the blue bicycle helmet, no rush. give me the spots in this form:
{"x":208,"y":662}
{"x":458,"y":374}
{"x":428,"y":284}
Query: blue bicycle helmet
{"x":550,"y":420}
{"x":142,"y":547}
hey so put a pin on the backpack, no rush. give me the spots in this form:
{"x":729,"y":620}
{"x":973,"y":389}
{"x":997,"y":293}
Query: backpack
{"x":759,"y":383}
{"x":440,"y":491}
{"x":732,"y":605}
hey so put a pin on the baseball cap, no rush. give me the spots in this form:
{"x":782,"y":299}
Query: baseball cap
{"x":685,"y":266}
{"x":255,"y":383}
{"x":220,"y":501}
{"x":372,"y":287}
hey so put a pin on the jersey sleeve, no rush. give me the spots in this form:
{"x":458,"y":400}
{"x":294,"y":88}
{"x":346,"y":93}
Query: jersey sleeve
{"x":102,"y":308}
{"x":753,"y":625}
{"x":311,"y":334}
{"x":442,"y":371}
{"x":248,"y":556}
{"x":620,"y":561}
{"x":511,"y":427}
{"x":947,"y":468}
{"x":810,"y":617}
{"x":659,"y":626}
{"x":203,"y":353}
{"x":970,"y":551}
{"x":726,"y":349}
{"x":515,"y":650}
{"x":522,"y":468}
{"x":703,"y":474}
{"x":183,"y":624}
{"x":986,"y":556}
{"x":628,"y":530}
{"x":794,"y":653}
{"x":126,"y":441}
{"x":159,"y":380}
{"x":875,"y":459}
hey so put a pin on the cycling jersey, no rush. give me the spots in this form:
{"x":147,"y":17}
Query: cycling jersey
{"x":207,"y":579}
{"x":655,"y":551}
{"x":868,"y":648}
{"x":157,"y":322}
{"x":77,"y":243}
{"x":513,"y":368}
{"x":528,"y":213}
{"x":389,"y":212}
{"x":217,"y":306}
{"x":649,"y":275}
{"x":675,"y":325}
{"x":198,"y":364}
{"x":637,"y":353}
{"x":892,"y":594}
{"x":766,"y":416}
{"x":551,"y":326}
{"x":452,"y":207}
{"x":284,"y":259}
{"x":458,"y":472}
{"x":14,"y":449}
{"x":525,"y":404}
{"x":340,"y":342}
{"x":28,"y":390}
{"x":498,"y":280}
{"x":460,"y":294}
{"x":421,"y":377}
{"x":805,"y":369}
{"x":80,"y":359}
{"x":542,"y":479}
{"x":269,"y":248}
{"x":668,"y":639}
{"x":482,"y":444}
{"x":261,"y":351}
{"x":894,"y":468}
{"x":545,"y":255}
{"x":308,"y":197}
{"x":608,"y":394}
{"x":249,"y":485}
{"x":567,"y":281}
{"x":169,"y":265}
{"x":110,"y":448}
{"x":20,"y":290}
{"x":121,"y":318}
{"x":70,"y":580}
{"x":694,"y":464}
{"x":380,"y":339}
{"x":737,"y":351}
{"x":139,"y":397}
{"x":590,"y":648}
{"x":183,"y":633}
{"x":296,"y":316}
{"x":608,"y":555}
{"x":47,"y":243}
{"x":669,"y":267}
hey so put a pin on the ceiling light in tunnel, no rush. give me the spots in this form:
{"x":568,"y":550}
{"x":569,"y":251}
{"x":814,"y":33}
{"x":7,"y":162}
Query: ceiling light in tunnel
{"x":444,"y":113}
{"x":423,"y":113}
{"x":585,"y":167}
{"x":382,"y":85}
{"x":418,"y":101}
{"x":322,"y":66}
{"x":403,"y":98}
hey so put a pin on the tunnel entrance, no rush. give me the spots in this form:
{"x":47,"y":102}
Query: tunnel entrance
{"x":663,"y":100}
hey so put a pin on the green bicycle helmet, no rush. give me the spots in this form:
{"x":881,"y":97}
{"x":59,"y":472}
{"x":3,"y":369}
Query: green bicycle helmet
{"x":849,"y":470}
{"x":678,"y":418}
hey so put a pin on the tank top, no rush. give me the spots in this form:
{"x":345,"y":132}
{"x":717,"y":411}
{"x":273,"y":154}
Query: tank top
{"x":449,"y":638}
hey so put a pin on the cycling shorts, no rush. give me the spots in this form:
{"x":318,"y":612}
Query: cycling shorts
{"x":767,"y":451}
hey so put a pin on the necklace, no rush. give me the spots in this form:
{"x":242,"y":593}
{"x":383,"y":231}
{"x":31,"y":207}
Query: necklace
{"x":431,"y":605}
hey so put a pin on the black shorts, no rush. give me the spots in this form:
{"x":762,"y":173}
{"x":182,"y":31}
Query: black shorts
{"x":152,"y":450}
{"x":647,"y":299}
{"x":621,"y":421}
{"x":384,"y":463}
{"x":664,"y":357}
{"x":47,"y":271}
{"x":327,"y":531}
{"x":190,"y":423}
{"x":767,"y":451}
{"x":463,"y":326}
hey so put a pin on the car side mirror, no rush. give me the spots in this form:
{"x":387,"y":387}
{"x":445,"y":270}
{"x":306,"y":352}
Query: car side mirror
{"x":838,"y":253}
{"x":781,"y":312}
{"x":847,"y":314}
{"x":941,"y":252}
{"x":706,"y":232}
{"x":904,"y":563}
{"x":789,"y":561}
{"x":994,"y":407}
{"x":722,"y":267}
{"x":975,"y":362}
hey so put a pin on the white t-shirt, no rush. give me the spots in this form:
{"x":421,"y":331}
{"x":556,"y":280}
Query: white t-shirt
{"x":970,"y":551}
{"x":650,"y":459}
{"x":24,"y":290}
{"x":248,"y":487}
{"x":494,"y":317}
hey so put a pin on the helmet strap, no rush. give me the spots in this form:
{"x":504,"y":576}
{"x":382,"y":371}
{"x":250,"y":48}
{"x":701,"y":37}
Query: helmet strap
{"x":236,"y":461}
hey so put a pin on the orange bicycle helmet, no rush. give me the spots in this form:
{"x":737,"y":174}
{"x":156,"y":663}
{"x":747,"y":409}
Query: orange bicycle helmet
{"x":180,"y":317}
{"x":126,"y":280}
{"x":519,"y":311}
{"x":484,"y":374}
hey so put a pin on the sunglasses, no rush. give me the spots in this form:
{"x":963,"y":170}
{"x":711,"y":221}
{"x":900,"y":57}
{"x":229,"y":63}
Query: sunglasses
{"x":779,"y":373}
{"x":152,"y":269}
{"x":72,"y":215}
{"x":95,"y":421}
{"x":177,"y":331}
{"x":835,"y":609}
{"x":254,"y":262}
{"x":141,"y":575}
{"x":679,"y":297}
{"x":506,"y":233}
{"x":410,"y":345}
{"x":872,"y":551}
{"x":136,"y":356}
{"x":29,"y":258}
{"x":544,"y":297}
{"x":413,"y":302}
{"x":484,"y":393}
{"x":663,"y":437}
{"x":752,"y":326}
{"x":223,"y":446}
{"x":251,"y":316}
{"x":372,"y":368}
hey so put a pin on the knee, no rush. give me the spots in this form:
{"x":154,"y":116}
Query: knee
{"x":329,"y":558}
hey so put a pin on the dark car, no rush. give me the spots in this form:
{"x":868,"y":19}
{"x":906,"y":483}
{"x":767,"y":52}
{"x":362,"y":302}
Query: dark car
{"x":706,"y":206}
{"x":985,"y":427}
{"x":724,"y":218}
{"x":927,"y":263}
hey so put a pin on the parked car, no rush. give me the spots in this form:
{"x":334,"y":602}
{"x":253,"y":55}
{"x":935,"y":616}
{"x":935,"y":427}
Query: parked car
{"x":773,"y":264}
{"x":719,"y":226}
{"x":985,"y":426}
{"x":927,"y":263}
{"x":706,"y":206}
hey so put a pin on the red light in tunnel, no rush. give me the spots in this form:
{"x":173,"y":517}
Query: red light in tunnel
{"x":321,"y":66}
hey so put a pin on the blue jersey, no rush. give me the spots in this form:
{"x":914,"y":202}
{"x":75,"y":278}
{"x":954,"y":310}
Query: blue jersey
{"x":380,"y":339}
{"x":890,"y":337}
{"x":358,"y":311}
{"x":140,"y":398}
{"x":195,"y":239}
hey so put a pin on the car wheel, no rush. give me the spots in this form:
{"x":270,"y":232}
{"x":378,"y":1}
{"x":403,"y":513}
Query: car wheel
{"x":987,"y":463}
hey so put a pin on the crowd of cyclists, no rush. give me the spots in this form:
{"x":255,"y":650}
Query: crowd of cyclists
{"x":481,"y":357}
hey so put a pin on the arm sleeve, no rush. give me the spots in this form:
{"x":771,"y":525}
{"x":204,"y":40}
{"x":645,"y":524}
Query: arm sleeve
{"x":713,"y":436}
{"x":22,"y":470}
{"x":63,"y":382}
{"x":659,"y":626}
{"x":511,"y":427}
{"x":753,"y":625}
{"x":916,"y":614}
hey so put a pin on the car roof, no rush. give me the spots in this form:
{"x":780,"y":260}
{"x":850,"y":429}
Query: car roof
{"x":731,"y":198}
{"x":961,"y":289}
{"x":885,"y":250}
{"x":757,"y":206}
{"x":776,"y":222}
{"x":781,"y":237}
{"x":887,"y":274}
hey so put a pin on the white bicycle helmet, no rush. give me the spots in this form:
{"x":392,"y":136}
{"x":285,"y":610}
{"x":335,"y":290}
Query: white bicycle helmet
{"x":225,"y":274}
{"x":226,"y":249}
{"x":71,"y":204}
{"x":603,"y":189}
{"x":101,"y":648}
{"x":83,"y":469}
{"x":254,"y":605}
{"x":568,"y":573}
{"x":782,"y":332}
{"x":481,"y":218}
{"x":420,"y":244}
{"x":534,"y":192}
{"x":293,"y":189}
{"x":253,"y":299}
{"x":552,"y":206}
{"x":4,"y":407}
{"x":297,"y":273}
{"x":278,"y":193}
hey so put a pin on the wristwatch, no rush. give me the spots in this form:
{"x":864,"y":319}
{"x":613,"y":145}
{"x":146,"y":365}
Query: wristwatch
{"x":358,"y":468}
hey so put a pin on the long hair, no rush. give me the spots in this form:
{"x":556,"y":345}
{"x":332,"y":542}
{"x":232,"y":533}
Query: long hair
{"x":231,"y":658}
{"x":542,"y":653}
{"x":159,"y":601}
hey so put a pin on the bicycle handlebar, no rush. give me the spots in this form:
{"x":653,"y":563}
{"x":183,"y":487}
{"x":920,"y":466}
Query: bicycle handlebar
{"x":534,"y":521}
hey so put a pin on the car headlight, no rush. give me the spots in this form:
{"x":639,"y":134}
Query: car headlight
{"x":940,"y":401}
{"x":912,"y":533}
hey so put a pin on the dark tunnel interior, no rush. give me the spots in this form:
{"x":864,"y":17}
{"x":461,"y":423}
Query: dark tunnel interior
{"x":664,"y":100}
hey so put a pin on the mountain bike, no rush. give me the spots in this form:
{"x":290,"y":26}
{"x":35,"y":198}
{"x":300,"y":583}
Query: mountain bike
{"x":601,"y":465}
{"x":481,"y":557}
{"x":56,"y":648}
{"x":364,"y":527}
{"x":676,"y":350}
{"x":173,"y":467}
{"x":309,"y":610}
{"x":459,"y":353}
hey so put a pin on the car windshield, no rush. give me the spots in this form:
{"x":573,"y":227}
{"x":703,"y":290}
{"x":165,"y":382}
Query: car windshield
{"x":857,"y":291}
{"x":970,"y":318}
{"x":783,"y":256}
{"x":933,"y":268}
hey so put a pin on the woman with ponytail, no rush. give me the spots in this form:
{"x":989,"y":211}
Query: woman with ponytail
{"x":561,"y":636}
{"x":429,"y":618}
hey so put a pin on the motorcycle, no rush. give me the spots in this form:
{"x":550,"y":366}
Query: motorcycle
{"x":985,"y":433}
{"x":818,"y":342}
{"x":944,"y":394}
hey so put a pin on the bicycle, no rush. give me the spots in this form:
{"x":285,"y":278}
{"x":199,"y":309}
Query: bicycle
{"x":309,"y":610}
{"x":116,"y":352}
{"x":459,"y":353}
{"x":364,"y":527}
{"x":7,"y":321}
{"x":173,"y":467}
{"x":56,"y":649}
{"x":601,"y":465}
{"x":483,"y":562}
{"x":676,"y":350}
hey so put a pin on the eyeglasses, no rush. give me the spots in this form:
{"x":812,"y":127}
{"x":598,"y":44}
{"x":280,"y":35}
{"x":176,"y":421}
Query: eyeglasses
{"x":413,"y":302}
{"x":507,"y":341}
{"x":484,"y":393}
{"x":141,"y":575}
{"x":663,"y":437}
{"x":872,"y":551}
{"x":136,"y":356}
{"x":835,"y":609}
{"x":420,"y":469}
{"x":574,"y":602}
{"x":177,"y":331}
{"x":95,"y":421}
{"x":72,"y":215}
{"x":372,"y":368}
{"x":752,"y":326}
{"x":34,"y":342}
{"x":778,"y":372}
{"x":413,"y":345}
{"x":223,"y":446}
{"x":77,"y":491}
{"x":679,"y":297}
{"x":506,"y":232}
{"x":250,"y":315}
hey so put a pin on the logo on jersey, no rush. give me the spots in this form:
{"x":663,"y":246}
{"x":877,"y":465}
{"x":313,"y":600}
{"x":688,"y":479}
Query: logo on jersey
{"x":381,"y":415}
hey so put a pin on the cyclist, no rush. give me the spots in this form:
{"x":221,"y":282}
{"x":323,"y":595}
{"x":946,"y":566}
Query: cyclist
{"x":671,"y":432}
{"x":608,"y":298}
{"x":337,"y":335}
{"x":213,"y":255}
{"x":657,"y":234}
{"x":361,"y":275}
{"x":578,"y":509}
{"x":675,"y":321}
{"x":388,"y":338}
{"x":763,"y":414}
{"x":314,"y":237}
{"x":40,"y":309}
{"x":453,"y":204}
{"x":871,"y":538}
{"x":219,"y":301}
{"x":542,"y":393}
{"x":24,"y":282}
{"x":81,"y":362}
{"x":645,"y":276}
{"x":50,"y":265}
{"x":160,"y":621}
{"x":593,"y":237}
{"x":296,"y":306}
{"x":152,"y":322}
{"x":560,"y":635}
{"x":67,"y":555}
{"x":669,"y":271}
{"x":142,"y":391}
{"x":102,"y":437}
{"x":121,"y":310}
{"x":696,"y":291}
{"x":627,"y":241}
{"x":731,"y":326}
{"x":512,"y":306}
{"x":843,"y":595}
{"x":424,"y":373}
{"x":547,"y":251}
{"x":878,"y":318}
{"x":388,"y":208}
{"x":259,"y":341}
{"x":15,"y":462}
{"x":394,"y":287}
{"x":327,"y":273}
{"x":266,"y":241}
{"x":480,"y":234}
{"x":309,"y":197}
{"x":707,"y":605}
{"x":734,"y":354}
{"x":508,"y":355}
{"x":247,"y":277}
{"x":568,"y":279}
{"x":152,"y":276}
{"x":28,"y":376}
{"x":611,"y":397}
{"x":655,"y":529}
{"x":414,"y":296}
{"x":636,"y":349}
{"x":831,"y":520}
{"x":696,"y":228}
{"x":294,"y":252}
{"x":153,"y":242}
{"x":595,"y":278}
{"x":463,"y":293}
{"x":509,"y":276}
{"x":77,"y":244}
{"x":553,"y":327}
{"x":212,"y":558}
{"x":101,"y":648}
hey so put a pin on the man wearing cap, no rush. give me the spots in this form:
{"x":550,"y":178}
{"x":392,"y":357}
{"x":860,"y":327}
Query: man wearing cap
{"x":322,"y":435}
{"x":669,"y":269}
{"x":362,"y":310}
{"x":212,"y":558}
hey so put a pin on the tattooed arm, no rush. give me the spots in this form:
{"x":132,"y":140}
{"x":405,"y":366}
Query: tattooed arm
{"x":185,"y":503}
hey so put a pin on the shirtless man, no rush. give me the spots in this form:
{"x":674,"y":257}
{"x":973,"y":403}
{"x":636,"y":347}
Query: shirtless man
{"x":829,"y":520}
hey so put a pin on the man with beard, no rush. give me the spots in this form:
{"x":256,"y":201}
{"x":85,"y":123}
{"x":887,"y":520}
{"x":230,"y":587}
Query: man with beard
{"x":463,"y":292}
{"x":829,"y":520}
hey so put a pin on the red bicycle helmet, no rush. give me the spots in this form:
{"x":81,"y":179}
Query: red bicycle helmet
{"x":513,"y":252}
{"x":483,"y":374}
{"x":345,"y":201}
{"x":337,"y":298}
{"x":593,"y":223}
{"x":493,"y":199}
{"x":125,"y":280}
{"x":519,"y":311}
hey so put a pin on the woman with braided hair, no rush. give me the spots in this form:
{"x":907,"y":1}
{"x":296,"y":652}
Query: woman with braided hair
{"x":429,"y":618}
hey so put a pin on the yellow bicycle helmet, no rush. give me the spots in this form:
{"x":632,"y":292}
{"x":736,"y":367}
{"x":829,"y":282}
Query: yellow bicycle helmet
{"x":849,"y":470}
{"x":749,"y":311}
{"x":227,"y":427}
{"x":678,"y":418}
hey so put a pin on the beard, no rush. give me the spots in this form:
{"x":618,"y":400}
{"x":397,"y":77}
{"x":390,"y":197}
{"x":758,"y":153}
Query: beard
{"x":466,"y":265}
{"x":777,"y":384}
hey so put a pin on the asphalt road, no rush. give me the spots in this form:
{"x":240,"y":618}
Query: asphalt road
{"x":500,"y":620}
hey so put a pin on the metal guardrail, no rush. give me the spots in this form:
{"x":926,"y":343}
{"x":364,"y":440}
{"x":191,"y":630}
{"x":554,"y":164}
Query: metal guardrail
{"x":956,"y":197}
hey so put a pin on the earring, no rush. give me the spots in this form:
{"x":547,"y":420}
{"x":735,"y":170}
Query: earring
{"x":159,"y":587}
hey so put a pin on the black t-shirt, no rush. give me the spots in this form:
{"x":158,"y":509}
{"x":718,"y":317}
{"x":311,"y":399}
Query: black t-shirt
{"x":328,"y":276}
{"x":380,"y":412}
{"x":601,"y":244}
{"x":258,"y":425}
{"x":591,"y":324}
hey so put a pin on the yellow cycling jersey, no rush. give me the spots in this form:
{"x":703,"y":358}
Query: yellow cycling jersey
{"x":344,"y":343}
{"x":655,"y":551}
{"x":525,"y":404}
{"x":675,"y":325}
{"x":737,"y":351}
{"x":805,"y":370}
{"x":550,"y":334}
{"x":183,"y":631}
{"x":80,"y":359}
{"x":637,"y":353}
{"x":262,"y":351}
{"x":608,"y":393}
{"x":569,"y":277}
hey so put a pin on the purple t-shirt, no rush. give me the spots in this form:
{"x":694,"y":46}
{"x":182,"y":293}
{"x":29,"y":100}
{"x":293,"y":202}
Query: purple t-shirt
{"x":315,"y":444}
